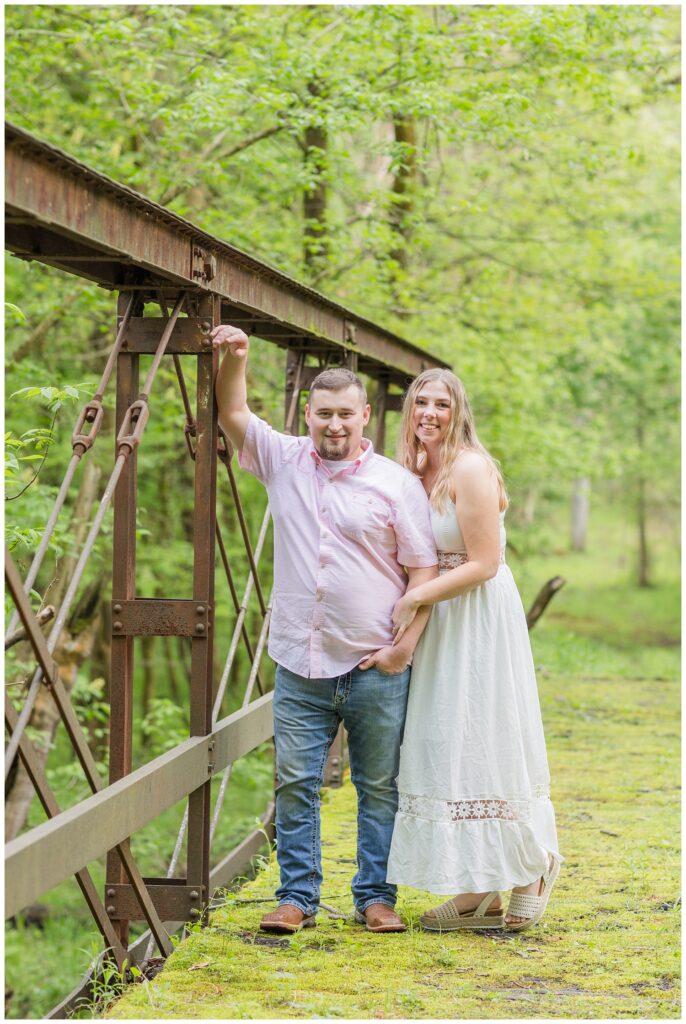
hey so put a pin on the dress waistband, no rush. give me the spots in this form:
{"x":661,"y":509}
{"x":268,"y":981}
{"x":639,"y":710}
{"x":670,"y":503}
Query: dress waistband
{"x":451,"y":559}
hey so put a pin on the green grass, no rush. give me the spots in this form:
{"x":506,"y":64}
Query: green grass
{"x":600,"y":600}
{"x":609,"y":945}
{"x":600,"y":624}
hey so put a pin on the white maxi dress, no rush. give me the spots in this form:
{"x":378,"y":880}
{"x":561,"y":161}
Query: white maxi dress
{"x":474,"y":787}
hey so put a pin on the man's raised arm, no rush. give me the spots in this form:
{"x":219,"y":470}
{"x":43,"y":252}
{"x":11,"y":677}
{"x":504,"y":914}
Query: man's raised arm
{"x":230,"y":388}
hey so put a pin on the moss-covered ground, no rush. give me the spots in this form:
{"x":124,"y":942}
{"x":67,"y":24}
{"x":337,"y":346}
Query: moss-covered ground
{"x":608,"y":946}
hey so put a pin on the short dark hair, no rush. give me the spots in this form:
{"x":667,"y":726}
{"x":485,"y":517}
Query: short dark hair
{"x":337,"y":379}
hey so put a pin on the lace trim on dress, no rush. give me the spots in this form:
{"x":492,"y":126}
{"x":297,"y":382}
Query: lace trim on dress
{"x":481,"y":809}
{"x":451,"y":559}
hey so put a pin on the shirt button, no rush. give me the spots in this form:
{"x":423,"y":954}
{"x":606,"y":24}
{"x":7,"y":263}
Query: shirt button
{"x":316,"y":627}
{"x":320,"y":595}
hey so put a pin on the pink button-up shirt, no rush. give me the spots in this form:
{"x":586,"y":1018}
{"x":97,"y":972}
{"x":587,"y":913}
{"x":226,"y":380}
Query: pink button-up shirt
{"x":340,"y":542}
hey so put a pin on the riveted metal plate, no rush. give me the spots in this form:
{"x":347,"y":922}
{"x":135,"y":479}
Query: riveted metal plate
{"x":147,"y":616}
{"x":172,"y":898}
{"x":191,"y":335}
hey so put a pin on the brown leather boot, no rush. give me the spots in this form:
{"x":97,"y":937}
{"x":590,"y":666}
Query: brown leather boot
{"x":379,"y":917}
{"x":286,"y":918}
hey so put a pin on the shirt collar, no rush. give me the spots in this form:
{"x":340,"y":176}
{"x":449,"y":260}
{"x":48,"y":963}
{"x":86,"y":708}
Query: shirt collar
{"x":364,"y":457}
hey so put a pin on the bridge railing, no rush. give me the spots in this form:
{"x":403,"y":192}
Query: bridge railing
{"x":65,"y":214}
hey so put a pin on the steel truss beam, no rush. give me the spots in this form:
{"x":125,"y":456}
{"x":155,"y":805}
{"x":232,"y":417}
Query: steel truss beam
{"x":57,"y":849}
{"x":64,"y":213}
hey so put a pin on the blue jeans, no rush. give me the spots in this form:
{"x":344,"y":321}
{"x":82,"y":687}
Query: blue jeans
{"x":307,"y":714}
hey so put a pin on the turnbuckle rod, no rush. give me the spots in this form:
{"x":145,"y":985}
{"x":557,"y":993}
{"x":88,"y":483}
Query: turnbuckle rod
{"x":82,"y":442}
{"x":136,"y":417}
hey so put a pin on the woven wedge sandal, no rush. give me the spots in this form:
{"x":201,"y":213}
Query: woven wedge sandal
{"x":446,"y":918}
{"x":533,"y":907}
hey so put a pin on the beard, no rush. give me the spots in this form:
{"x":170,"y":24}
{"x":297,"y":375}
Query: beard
{"x":333,"y":451}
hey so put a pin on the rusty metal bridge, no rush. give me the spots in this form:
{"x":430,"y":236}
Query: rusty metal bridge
{"x":67,"y":215}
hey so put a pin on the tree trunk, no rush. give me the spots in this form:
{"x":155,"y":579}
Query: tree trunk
{"x":579,"y":512}
{"x":148,"y":689}
{"x":543,"y":599}
{"x":74,"y":646}
{"x":529,"y":506}
{"x":402,"y":189}
{"x":643,"y":554}
{"x":641,"y":512}
{"x":184,"y":660}
{"x":171,"y":663}
{"x":315,"y":143}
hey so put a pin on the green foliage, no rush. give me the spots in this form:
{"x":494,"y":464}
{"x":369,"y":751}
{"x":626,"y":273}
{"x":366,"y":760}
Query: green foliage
{"x":54,"y":398}
{"x":37,"y":978}
{"x":542,"y":235}
{"x":164,"y":726}
{"x":15,"y":312}
{"x":26,"y":454}
{"x":92,"y":708}
{"x":36,"y":441}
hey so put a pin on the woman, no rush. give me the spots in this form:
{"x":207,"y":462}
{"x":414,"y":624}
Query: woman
{"x":475,"y":815}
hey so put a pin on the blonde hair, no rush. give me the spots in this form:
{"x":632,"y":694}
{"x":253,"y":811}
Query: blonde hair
{"x":461,"y":436}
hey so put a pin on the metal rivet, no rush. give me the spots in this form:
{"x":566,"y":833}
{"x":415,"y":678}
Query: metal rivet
{"x":110,"y":910}
{"x":116,"y":608}
{"x":195,"y":912}
{"x":194,"y":895}
{"x":117,"y":625}
{"x":205,"y":325}
{"x":200,"y":628}
{"x":200,"y":609}
{"x":111,"y":893}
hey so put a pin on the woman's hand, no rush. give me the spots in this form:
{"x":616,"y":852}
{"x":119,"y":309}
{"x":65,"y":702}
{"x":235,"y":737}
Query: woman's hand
{"x":389,"y":660}
{"x":403,"y":615}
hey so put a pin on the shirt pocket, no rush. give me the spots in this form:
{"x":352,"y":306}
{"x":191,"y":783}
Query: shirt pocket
{"x":363,"y":516}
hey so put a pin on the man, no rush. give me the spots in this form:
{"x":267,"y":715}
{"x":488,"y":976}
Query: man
{"x":351,"y":533}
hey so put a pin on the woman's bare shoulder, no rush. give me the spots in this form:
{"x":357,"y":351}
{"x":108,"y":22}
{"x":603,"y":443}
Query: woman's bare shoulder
{"x":474,"y":476}
{"x":472,"y":465}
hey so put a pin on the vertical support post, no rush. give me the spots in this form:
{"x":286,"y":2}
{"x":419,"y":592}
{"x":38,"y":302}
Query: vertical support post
{"x":333,"y":769}
{"x":199,"y":817}
{"x":381,"y":403}
{"x":292,"y":363}
{"x":123,"y":589}
{"x":350,"y":360}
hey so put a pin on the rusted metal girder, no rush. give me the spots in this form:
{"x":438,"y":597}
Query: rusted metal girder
{"x":78,"y":742}
{"x":51,"y":808}
{"x":65,"y":214}
{"x":49,"y":853}
{"x":202,"y":643}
